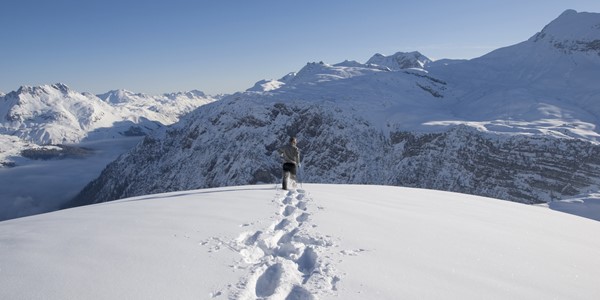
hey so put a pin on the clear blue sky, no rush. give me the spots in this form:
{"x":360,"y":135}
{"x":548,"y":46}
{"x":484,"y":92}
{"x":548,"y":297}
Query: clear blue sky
{"x":224,"y":46}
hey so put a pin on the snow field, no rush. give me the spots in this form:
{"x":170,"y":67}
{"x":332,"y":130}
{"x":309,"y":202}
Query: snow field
{"x":424,"y":244}
{"x":327,"y":242}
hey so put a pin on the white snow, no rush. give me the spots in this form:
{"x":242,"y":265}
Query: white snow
{"x":323,"y":242}
{"x":266,"y":85}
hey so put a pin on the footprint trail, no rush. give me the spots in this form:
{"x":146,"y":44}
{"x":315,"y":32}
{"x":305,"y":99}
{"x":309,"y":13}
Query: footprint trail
{"x":284,"y":260}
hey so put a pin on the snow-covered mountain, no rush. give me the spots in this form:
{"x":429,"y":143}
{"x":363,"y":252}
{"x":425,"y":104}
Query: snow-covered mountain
{"x":55,"y":140}
{"x":538,"y":86}
{"x":519,"y":123}
{"x":55,"y":114}
{"x":326,"y":242}
{"x":52,"y":114}
{"x":166,"y":108}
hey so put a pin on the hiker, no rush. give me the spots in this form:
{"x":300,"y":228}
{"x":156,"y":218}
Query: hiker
{"x":291,"y":160}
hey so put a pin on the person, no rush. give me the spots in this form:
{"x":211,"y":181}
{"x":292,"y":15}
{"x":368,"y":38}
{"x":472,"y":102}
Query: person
{"x":291,"y":160}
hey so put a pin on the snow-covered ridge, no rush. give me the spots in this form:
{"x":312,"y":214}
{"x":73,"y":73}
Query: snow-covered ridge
{"x":400,"y":60}
{"x":325,"y":242}
{"x":166,"y":108}
{"x":314,"y":72}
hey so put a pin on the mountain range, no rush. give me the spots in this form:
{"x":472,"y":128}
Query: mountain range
{"x":56,"y":114}
{"x":54,"y":140}
{"x":519,"y":123}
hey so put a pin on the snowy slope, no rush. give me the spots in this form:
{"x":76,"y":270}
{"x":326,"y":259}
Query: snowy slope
{"x":546,"y":85}
{"x":330,"y":242}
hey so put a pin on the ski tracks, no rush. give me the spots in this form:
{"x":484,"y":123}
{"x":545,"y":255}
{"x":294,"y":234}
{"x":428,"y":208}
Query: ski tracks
{"x":287,"y":260}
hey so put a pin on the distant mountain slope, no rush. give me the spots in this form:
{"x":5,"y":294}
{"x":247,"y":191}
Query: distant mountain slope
{"x":53,"y":114}
{"x":329,"y":242}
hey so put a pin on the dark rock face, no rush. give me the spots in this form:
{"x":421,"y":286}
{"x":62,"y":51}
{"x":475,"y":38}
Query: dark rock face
{"x":217,"y":148}
{"x":516,"y":168}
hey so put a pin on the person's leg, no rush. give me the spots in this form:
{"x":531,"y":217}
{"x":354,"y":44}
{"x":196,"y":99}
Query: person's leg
{"x":293,"y":173}
{"x":286,"y":175}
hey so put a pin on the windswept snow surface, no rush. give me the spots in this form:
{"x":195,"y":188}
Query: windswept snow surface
{"x":322,"y":242}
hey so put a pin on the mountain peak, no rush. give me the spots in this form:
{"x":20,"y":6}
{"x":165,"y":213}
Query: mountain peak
{"x":572,"y":31}
{"x":61,"y":87}
{"x":43,"y":89}
{"x":119,"y":96}
{"x":189,"y":94}
{"x":400,"y":60}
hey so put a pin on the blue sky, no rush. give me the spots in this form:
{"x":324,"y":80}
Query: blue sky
{"x":224,"y":46}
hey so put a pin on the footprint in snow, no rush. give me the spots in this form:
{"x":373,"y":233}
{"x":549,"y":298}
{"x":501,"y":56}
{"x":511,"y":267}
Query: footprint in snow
{"x":287,"y":200}
{"x":250,"y":238}
{"x":307,"y":262}
{"x":269,"y":281}
{"x":288,"y":210}
{"x":301,"y":205}
{"x":299,"y":293}
{"x":282,"y":224}
{"x":303,"y":217}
